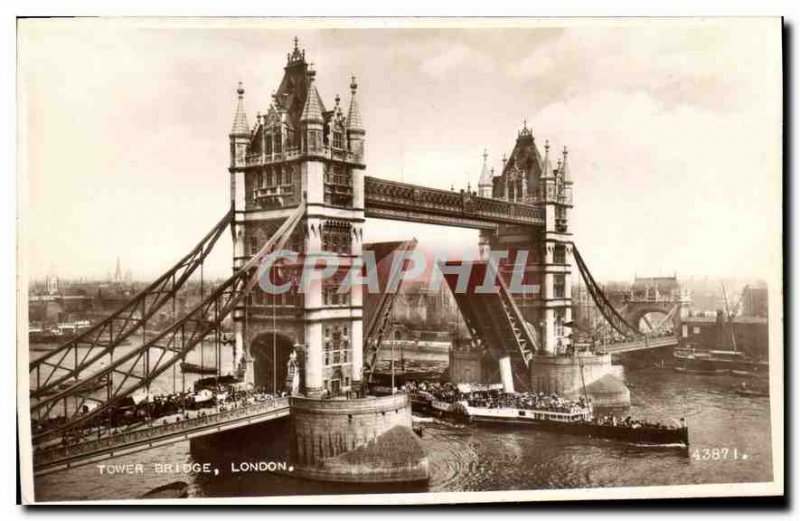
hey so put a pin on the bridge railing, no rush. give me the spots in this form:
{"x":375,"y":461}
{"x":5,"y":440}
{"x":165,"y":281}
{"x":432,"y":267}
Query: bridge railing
{"x":382,"y":194}
{"x":636,"y":345}
{"x":45,"y":456}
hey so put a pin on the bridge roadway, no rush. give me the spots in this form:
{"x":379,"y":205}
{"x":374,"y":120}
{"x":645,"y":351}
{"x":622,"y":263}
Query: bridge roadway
{"x":638,"y":345}
{"x":52,"y":459}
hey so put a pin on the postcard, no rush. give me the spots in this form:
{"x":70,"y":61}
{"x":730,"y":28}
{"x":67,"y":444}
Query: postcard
{"x":374,"y":261}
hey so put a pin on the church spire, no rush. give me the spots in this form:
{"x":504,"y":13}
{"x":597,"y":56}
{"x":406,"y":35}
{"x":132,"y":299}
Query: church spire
{"x":354,"y":123}
{"x":240,"y":127}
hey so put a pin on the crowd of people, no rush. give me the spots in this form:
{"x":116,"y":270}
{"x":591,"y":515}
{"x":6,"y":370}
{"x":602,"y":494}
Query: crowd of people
{"x":497,"y":398}
{"x":154,"y":410}
{"x":610,"y":419}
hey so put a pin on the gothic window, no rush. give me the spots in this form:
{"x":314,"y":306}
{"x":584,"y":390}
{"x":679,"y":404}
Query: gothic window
{"x":560,"y":254}
{"x":561,"y":219}
{"x":312,"y":140}
{"x":337,"y":346}
{"x":268,"y":148}
{"x":277,"y":141}
{"x":559,"y":325}
{"x":331,"y":295}
{"x":337,"y":237}
{"x":558,"y":285}
{"x":338,"y":140}
{"x":338,"y":186}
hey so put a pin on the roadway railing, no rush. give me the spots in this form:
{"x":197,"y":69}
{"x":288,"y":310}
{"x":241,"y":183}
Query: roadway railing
{"x":637,"y":345}
{"x":47,"y":456}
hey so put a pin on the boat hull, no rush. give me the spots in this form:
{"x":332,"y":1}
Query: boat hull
{"x":526,"y":419}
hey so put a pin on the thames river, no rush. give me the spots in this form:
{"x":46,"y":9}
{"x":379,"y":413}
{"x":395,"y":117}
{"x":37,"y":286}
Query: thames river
{"x":477,"y":458}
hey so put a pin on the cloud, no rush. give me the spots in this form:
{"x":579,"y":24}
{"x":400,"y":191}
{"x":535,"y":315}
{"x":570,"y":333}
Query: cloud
{"x":714,"y":64}
{"x":457,"y":58}
{"x":674,"y":132}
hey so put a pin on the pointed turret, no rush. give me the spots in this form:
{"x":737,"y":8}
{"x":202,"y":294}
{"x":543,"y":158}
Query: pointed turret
{"x":485,"y":181}
{"x":240,"y":127}
{"x":355,"y":127}
{"x":565,"y":169}
{"x":354,"y":123}
{"x":547,"y":169}
{"x":313,"y":109}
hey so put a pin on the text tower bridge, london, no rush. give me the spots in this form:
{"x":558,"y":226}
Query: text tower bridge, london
{"x":298,"y":183}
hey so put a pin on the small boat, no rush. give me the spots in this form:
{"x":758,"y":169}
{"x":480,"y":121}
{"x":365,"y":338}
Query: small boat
{"x":745,"y":390}
{"x":100,"y":383}
{"x":188,"y":367}
{"x":752,"y":392}
{"x":176,"y":489}
{"x":749,"y":374}
{"x":687,"y":370}
{"x":577,"y":421}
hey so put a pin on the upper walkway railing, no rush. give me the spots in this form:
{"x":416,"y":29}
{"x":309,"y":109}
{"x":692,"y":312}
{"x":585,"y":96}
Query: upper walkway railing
{"x":406,"y":202}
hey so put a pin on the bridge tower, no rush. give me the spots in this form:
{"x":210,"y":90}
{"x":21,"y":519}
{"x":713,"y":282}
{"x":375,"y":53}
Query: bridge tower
{"x":299,"y":150}
{"x":528,"y":177}
{"x":300,"y":154}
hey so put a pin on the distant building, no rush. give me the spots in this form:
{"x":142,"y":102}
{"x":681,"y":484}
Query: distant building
{"x":713,"y":333}
{"x":755,"y":301}
{"x":118,"y":279}
{"x":52,"y":285}
{"x":418,"y":307}
{"x":655,"y":289}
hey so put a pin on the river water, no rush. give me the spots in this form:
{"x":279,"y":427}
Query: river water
{"x":475,"y":458}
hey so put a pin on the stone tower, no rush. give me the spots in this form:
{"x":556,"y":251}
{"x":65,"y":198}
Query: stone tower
{"x":299,"y":150}
{"x":528,"y":177}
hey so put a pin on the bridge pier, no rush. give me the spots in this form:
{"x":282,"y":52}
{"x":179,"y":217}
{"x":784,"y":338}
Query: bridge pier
{"x":365,"y":440}
{"x":570,"y":375}
{"x":506,"y":374}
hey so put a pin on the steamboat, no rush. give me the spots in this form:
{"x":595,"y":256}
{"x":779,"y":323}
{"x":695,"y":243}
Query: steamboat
{"x":577,"y":420}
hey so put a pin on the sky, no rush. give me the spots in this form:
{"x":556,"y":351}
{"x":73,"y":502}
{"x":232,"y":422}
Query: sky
{"x":673,"y":127}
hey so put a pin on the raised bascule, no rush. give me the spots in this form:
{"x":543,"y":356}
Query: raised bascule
{"x":298,"y":183}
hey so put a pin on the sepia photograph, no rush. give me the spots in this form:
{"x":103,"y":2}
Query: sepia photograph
{"x":396,"y":260}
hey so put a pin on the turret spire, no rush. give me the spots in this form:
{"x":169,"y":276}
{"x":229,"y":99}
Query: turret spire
{"x":547,"y":170}
{"x":564,"y":168}
{"x":354,"y":123}
{"x":312,"y":111}
{"x":485,"y":181}
{"x":240,"y":126}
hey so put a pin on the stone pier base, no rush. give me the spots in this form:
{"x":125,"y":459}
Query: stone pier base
{"x":366,"y":440}
{"x":568,"y":375}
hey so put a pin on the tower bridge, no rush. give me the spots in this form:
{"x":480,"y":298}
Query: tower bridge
{"x":297,"y":182}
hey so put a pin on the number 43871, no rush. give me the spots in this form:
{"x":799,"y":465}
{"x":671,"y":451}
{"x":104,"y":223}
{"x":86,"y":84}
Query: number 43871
{"x":717,"y":454}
